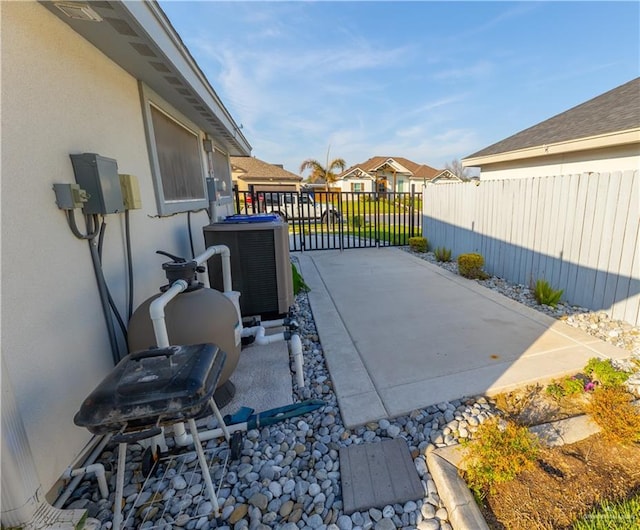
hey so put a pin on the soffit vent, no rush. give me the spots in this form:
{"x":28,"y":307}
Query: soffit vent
{"x":173,"y":80}
{"x":78,"y":11}
{"x":121,"y":27}
{"x":143,"y":49}
{"x":160,"y":67}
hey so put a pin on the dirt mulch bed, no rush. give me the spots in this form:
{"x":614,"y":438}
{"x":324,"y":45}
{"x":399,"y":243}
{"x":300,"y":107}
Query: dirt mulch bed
{"x":568,"y":481}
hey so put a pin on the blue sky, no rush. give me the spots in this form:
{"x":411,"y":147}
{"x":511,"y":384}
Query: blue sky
{"x":428,"y":81}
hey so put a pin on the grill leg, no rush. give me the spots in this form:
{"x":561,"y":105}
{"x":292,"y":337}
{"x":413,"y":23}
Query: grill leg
{"x":206,"y":473}
{"x":117,"y":508}
{"x":218,"y":416}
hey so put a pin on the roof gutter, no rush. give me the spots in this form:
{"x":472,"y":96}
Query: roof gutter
{"x":139,"y":10}
{"x":630,"y":136}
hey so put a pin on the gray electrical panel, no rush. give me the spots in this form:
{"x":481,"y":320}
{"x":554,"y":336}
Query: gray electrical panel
{"x":98,"y":176}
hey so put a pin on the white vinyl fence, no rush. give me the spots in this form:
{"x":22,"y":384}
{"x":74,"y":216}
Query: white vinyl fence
{"x":578,"y":232}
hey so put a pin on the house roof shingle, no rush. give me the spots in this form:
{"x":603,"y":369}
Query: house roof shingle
{"x":614,"y":111}
{"x":254,"y":168}
{"x":418,"y":170}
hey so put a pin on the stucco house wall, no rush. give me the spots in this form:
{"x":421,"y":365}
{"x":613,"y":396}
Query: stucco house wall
{"x":345,"y":184}
{"x":609,"y":159}
{"x":601,"y":135}
{"x":61,"y":95}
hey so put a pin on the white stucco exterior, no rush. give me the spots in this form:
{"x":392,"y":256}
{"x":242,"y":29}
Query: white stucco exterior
{"x":346,"y":184}
{"x":602,"y":160}
{"x":61,"y":95}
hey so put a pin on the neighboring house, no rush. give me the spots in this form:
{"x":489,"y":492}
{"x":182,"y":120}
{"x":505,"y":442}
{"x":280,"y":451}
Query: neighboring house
{"x":600,"y":135}
{"x":111,"y":78}
{"x":254,"y":175}
{"x":391,"y":174}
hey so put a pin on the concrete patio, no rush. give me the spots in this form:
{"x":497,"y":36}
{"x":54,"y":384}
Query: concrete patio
{"x":400,"y":334}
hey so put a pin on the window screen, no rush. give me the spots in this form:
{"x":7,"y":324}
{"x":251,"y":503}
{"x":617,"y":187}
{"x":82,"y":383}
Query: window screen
{"x":178,"y":152}
{"x":221,"y":173}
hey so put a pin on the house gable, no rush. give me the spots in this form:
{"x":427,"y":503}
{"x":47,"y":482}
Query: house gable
{"x":608,"y":121}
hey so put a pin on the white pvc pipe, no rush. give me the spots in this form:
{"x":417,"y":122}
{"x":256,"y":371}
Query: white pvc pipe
{"x":261,"y":338}
{"x":156,"y":311}
{"x":225,"y":255}
{"x":97,"y":451}
{"x":182,"y":438}
{"x":296,"y":351}
{"x":98,"y":471}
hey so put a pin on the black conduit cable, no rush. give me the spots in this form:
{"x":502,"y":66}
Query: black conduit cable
{"x":102,"y":290}
{"x":193,"y":254}
{"x":91,"y":231}
{"x":112,"y":304}
{"x":127,"y":231}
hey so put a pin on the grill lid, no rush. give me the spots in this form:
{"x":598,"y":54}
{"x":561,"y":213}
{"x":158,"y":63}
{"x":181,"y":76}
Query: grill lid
{"x":161,"y":385}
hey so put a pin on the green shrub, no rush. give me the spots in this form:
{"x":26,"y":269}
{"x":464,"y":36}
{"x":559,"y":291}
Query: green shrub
{"x":442,"y":254}
{"x":418,"y":244}
{"x":545,"y":294}
{"x":605,"y":373}
{"x":569,"y":386}
{"x":298,"y":282}
{"x":498,"y":453}
{"x":470,"y":266}
{"x":358,"y":221}
{"x":611,"y":407}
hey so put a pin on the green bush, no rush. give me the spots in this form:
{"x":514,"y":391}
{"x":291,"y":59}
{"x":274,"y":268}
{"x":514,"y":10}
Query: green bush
{"x":442,"y":254}
{"x":418,"y":244}
{"x":605,"y":373}
{"x":498,"y":453}
{"x":545,"y":294}
{"x":358,"y":221}
{"x":298,"y":282}
{"x":569,"y":386}
{"x":470,"y":266}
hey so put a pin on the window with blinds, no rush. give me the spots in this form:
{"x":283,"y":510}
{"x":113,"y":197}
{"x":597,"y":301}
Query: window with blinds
{"x":179,"y":159}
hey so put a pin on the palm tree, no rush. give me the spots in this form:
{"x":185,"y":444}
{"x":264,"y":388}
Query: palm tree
{"x":328,"y":173}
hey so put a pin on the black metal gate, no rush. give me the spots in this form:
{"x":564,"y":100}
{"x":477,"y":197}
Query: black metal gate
{"x":339,"y":220}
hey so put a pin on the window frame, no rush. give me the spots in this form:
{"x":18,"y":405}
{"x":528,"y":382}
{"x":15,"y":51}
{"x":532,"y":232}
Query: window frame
{"x":166,"y":206}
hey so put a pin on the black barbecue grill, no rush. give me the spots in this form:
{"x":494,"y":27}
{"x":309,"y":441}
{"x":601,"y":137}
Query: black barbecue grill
{"x":148,"y":390}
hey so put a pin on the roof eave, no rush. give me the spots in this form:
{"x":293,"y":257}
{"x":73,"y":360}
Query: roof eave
{"x":167,"y":68}
{"x":617,"y":138}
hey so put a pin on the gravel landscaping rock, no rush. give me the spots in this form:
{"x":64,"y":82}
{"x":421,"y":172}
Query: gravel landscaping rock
{"x":288,"y":474}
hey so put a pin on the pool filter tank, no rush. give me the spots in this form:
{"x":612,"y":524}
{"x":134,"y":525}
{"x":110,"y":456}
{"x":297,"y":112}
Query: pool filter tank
{"x":198,"y":315}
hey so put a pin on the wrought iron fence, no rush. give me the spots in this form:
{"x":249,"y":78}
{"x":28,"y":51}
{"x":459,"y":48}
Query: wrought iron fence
{"x":339,"y":220}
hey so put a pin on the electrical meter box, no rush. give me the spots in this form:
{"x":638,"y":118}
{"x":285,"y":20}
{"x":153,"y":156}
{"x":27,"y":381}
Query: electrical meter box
{"x":98,"y":176}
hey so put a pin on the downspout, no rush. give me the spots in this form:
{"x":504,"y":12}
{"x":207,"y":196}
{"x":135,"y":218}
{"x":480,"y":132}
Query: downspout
{"x":23,"y":504}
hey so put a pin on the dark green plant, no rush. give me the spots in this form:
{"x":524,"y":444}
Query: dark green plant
{"x":545,"y":294}
{"x":498,"y":453}
{"x":419,"y":244}
{"x":605,"y":373}
{"x":299,"y":284}
{"x":470,"y":266}
{"x":442,"y":254}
